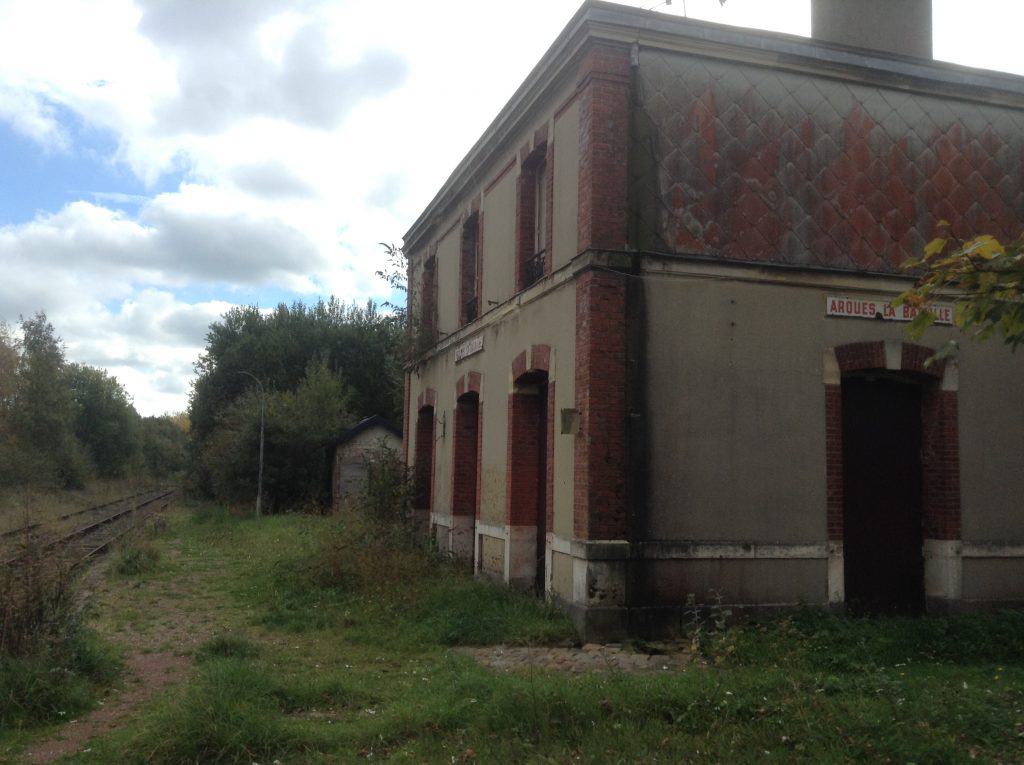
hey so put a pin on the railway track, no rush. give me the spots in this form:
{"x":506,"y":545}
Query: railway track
{"x":93,"y":537}
{"x":33,"y":527}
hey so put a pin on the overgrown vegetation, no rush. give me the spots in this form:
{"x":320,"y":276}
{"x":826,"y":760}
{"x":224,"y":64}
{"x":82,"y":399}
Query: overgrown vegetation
{"x":62,"y":424}
{"x":322,"y":368}
{"x":50,"y":664}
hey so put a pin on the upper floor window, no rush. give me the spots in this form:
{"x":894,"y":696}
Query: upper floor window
{"x":469,"y":271}
{"x":532,"y":215}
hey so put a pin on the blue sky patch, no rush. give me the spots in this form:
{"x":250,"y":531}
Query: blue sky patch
{"x":35,"y":179}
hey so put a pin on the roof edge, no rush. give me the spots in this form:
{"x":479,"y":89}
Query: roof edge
{"x":374,"y":420}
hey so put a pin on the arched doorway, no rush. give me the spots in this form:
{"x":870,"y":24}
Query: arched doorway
{"x":893,"y":478}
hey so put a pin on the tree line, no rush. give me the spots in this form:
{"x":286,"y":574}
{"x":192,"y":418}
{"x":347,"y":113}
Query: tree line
{"x":63,"y":423}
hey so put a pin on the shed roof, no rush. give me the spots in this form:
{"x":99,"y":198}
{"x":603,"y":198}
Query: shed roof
{"x":371,"y":422}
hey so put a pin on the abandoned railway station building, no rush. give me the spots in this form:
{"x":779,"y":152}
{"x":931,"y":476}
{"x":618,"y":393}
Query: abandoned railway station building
{"x":658,"y":357}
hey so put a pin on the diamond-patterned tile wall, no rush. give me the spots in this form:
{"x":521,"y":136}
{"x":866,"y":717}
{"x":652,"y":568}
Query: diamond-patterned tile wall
{"x":750,"y":163}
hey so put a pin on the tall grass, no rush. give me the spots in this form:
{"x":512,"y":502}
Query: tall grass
{"x":370,"y":576}
{"x":50,"y":664}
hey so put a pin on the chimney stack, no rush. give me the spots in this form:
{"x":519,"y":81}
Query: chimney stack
{"x":890,"y":26}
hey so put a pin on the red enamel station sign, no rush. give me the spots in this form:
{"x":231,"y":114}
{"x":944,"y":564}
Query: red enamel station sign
{"x":879,"y":308}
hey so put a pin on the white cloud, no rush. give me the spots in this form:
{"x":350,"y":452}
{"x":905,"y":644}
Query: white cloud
{"x":31,"y":116}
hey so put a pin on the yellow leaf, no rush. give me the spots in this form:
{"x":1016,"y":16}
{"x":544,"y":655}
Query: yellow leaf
{"x":984,"y":246}
{"x":935,"y":246}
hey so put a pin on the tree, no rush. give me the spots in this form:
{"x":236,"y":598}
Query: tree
{"x":361,"y":344}
{"x":985,"y":278}
{"x":164,"y":444}
{"x":105,"y":421}
{"x":300,"y":431}
{"x":43,"y":412}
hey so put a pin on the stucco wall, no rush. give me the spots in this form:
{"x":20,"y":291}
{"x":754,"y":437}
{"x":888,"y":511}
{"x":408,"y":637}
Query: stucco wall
{"x":736,"y":413}
{"x":565,"y":226}
{"x":499,"y":250}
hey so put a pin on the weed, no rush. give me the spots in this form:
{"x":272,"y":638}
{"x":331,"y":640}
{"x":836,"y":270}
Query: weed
{"x":708,"y":627}
{"x":35,"y":597}
{"x":227,"y":646}
{"x":364,"y":673}
{"x":135,"y":557}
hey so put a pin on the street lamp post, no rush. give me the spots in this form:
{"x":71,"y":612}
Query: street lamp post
{"x":263,"y":414}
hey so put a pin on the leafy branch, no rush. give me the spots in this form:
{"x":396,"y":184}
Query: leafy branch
{"x":984,"y":276}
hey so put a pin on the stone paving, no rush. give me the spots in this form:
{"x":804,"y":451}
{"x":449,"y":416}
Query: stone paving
{"x":592,"y":657}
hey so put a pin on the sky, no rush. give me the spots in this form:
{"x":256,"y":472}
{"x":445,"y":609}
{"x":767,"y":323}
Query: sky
{"x":164,"y":160}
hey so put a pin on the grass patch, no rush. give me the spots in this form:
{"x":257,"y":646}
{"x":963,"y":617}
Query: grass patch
{"x":227,"y":647}
{"x":226,"y":715}
{"x":56,"y":680}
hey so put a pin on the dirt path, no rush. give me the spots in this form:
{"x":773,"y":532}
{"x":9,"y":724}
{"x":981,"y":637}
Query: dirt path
{"x":148,"y":674}
{"x":590,"y":658}
{"x":158,"y":622}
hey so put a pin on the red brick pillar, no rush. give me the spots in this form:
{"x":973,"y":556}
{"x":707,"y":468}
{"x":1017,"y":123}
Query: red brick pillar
{"x":601,"y":376}
{"x":600,"y":459}
{"x":604,"y":147}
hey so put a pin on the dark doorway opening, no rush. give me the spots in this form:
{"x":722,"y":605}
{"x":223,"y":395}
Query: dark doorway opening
{"x":529,"y":441}
{"x":882,"y":529}
{"x":465,"y":468}
{"x":423,"y":470}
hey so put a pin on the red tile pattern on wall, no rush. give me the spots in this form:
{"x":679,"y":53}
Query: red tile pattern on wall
{"x":856,"y":356}
{"x":757,"y":164}
{"x":405,"y":420}
{"x":549,"y":496}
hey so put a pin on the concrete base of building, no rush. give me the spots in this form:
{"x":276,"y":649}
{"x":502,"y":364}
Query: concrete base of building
{"x":604,"y":625}
{"x":597,"y":625}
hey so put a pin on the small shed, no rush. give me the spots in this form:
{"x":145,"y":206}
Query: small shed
{"x":354,"y":449}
